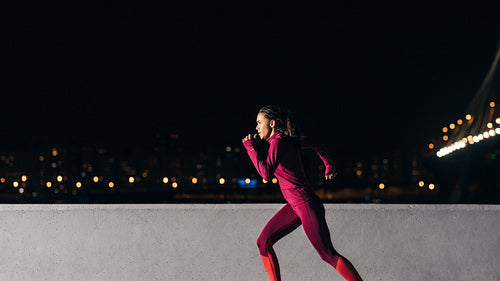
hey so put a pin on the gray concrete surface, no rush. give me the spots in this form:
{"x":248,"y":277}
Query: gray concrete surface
{"x":217,"y":242}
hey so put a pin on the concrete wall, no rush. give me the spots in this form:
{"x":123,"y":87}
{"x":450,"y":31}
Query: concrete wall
{"x":217,"y":242}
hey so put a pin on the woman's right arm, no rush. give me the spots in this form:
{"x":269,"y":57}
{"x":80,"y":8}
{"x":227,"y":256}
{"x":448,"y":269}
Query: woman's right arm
{"x":265,"y":167}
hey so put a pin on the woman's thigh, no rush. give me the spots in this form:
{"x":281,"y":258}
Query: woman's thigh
{"x":281,"y":224}
{"x":312,"y":215}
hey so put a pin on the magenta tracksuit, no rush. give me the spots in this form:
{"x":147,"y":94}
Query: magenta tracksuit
{"x":304,"y":207}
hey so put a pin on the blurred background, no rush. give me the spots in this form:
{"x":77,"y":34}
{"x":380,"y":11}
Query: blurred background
{"x":139,"y":103}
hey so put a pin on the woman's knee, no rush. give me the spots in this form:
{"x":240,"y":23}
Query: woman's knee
{"x":263,"y":243}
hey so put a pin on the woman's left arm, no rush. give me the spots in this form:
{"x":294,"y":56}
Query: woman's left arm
{"x":331,"y":170}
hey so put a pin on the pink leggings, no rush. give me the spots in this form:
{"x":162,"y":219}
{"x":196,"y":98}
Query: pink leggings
{"x":312,"y":216}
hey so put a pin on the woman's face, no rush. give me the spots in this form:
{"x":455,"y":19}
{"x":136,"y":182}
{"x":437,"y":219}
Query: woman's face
{"x":265,"y":127}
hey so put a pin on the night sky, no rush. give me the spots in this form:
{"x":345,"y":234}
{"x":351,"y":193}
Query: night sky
{"x":362,"y":75}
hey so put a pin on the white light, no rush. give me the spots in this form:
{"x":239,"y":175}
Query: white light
{"x":467,"y":141}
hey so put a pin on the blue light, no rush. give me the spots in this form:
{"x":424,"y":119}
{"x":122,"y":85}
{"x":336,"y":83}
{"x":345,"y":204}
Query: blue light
{"x":252,"y":184}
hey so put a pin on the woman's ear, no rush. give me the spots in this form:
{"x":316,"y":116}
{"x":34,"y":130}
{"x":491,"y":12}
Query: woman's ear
{"x":272,"y":123}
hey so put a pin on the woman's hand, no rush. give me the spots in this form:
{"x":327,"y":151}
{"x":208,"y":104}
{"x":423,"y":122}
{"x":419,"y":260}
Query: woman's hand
{"x":249,"y":137}
{"x":330,"y":176}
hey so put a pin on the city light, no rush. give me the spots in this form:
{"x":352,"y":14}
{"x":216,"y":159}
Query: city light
{"x":431,"y":186}
{"x":468,"y":117}
{"x":247,"y":183}
{"x":467,"y":141}
{"x":101,"y":171}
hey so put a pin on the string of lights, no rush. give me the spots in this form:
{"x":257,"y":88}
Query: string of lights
{"x":482,"y":120}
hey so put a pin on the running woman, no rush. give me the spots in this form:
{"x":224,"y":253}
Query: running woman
{"x":282,"y":159}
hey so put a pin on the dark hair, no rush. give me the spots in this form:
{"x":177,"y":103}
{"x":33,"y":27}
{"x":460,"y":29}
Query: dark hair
{"x":284,"y":118}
